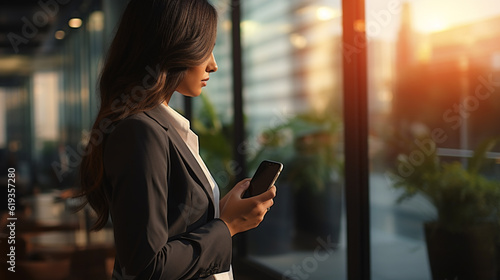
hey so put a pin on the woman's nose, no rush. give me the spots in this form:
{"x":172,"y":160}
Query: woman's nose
{"x":212,"y":64}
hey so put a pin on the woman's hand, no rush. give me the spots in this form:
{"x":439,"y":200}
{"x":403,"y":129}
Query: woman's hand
{"x":241,"y":214}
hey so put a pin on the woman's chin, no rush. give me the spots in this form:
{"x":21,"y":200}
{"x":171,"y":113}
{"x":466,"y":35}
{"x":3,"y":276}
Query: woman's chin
{"x":190,"y":94}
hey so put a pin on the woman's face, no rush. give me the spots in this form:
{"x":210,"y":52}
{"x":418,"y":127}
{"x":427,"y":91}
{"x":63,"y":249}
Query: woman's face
{"x":197,"y":77}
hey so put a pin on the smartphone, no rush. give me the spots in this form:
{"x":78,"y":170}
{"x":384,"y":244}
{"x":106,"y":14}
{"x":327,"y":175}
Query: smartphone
{"x":267,"y":173}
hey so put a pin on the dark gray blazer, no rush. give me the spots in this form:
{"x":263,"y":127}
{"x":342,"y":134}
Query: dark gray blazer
{"x":161,"y":204}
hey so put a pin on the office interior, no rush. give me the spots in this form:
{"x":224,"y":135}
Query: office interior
{"x":383,"y":112}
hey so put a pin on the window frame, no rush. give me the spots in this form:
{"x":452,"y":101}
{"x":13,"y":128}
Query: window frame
{"x":355,"y":139}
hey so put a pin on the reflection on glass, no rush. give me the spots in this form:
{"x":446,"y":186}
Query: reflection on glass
{"x":434,"y":77}
{"x":292,"y":97}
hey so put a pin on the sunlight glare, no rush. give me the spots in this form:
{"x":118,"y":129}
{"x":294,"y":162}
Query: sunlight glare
{"x":327,"y":13}
{"x":430,"y":25}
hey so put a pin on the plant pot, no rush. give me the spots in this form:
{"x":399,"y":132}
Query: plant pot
{"x":274,"y":235}
{"x":317,"y":216}
{"x":467,"y":254}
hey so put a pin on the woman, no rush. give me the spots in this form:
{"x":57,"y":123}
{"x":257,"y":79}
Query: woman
{"x":142,"y":165}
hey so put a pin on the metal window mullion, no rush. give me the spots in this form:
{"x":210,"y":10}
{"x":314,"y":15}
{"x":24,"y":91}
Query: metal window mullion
{"x":356,"y":140}
{"x":239,"y":125}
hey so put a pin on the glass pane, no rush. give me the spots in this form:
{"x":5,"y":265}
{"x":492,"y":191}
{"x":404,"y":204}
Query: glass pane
{"x":293,"y":109}
{"x":46,"y":92}
{"x":213,"y":110}
{"x":433,"y":84}
{"x":95,"y":27}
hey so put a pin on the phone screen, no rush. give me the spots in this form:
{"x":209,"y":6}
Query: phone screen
{"x":264,"y":177}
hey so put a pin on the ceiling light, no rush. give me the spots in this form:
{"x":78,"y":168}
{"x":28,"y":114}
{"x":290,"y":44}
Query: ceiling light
{"x":75,"y":23}
{"x":60,"y":34}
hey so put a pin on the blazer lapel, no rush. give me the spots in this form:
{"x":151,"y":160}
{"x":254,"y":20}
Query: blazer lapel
{"x":159,"y":116}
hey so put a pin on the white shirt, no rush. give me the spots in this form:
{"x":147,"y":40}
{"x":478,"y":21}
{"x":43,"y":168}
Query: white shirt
{"x":183,"y":127}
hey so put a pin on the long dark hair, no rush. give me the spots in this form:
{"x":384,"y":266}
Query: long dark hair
{"x":156,"y":42}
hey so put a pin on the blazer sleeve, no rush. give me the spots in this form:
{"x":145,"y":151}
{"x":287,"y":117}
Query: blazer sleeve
{"x":136,"y":168}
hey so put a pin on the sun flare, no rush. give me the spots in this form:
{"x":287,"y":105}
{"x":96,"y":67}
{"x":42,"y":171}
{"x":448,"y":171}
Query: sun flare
{"x":430,"y":25}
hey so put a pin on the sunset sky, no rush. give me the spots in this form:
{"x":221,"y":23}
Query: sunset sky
{"x":436,"y":15}
{"x":427,"y":15}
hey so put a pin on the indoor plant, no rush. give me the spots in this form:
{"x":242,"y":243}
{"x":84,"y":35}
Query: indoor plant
{"x":215,"y":143}
{"x":309,"y":147}
{"x":461,"y":240}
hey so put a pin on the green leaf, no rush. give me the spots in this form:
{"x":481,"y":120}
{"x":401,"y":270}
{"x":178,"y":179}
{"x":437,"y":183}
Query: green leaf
{"x":477,"y":161}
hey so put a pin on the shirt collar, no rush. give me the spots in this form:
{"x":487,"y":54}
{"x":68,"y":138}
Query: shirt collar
{"x":179,"y":122}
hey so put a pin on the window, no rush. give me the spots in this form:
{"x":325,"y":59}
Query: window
{"x":433,"y":96}
{"x":292,"y":89}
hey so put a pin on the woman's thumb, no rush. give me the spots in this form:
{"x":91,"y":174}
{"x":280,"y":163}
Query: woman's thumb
{"x":242,"y":187}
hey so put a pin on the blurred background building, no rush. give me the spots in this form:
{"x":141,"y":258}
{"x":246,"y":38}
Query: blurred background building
{"x":433,"y":68}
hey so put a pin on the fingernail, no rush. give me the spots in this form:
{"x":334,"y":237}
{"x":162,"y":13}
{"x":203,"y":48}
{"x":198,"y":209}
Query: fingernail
{"x":246,"y":184}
